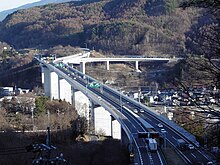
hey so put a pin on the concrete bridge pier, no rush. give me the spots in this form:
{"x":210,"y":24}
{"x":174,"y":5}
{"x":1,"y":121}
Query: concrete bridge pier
{"x":116,"y":129}
{"x":46,"y":79}
{"x":42,"y":73}
{"x":107,"y":65}
{"x":124,"y":138}
{"x":65,"y":90}
{"x":102,"y":121}
{"x":54,"y":87}
{"x":50,"y":84}
{"x":106,"y":124}
{"x":73,"y":91}
{"x":81,"y":103}
{"x":83,"y":67}
{"x":136,"y":66}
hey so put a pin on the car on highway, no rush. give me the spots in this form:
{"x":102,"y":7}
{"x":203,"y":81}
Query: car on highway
{"x":160,"y":125}
{"x":163,"y":130}
{"x":135,"y":111}
{"x":191,"y":147}
{"x":141,"y":110}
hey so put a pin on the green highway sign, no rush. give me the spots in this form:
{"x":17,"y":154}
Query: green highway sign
{"x":94,"y":84}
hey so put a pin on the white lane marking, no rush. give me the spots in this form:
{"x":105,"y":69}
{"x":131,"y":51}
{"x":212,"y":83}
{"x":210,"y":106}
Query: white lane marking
{"x":148,"y":118}
{"x":174,"y":137}
{"x":180,"y":153}
{"x":161,"y":162}
{"x":203,"y":154}
{"x":145,"y":117}
{"x":151,"y":158}
{"x":193,"y":155}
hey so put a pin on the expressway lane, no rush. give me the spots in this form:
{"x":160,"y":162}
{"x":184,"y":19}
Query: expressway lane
{"x":191,"y":156}
{"x":134,"y":128}
{"x":133,"y":125}
{"x":154,"y":158}
{"x":117,"y":100}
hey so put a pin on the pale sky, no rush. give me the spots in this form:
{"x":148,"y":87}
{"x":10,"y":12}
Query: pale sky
{"x":10,"y":4}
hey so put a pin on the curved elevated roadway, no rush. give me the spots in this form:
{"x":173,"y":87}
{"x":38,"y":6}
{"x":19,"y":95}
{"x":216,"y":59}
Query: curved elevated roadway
{"x":118,"y":104}
{"x":129,"y":123}
{"x":173,"y":131}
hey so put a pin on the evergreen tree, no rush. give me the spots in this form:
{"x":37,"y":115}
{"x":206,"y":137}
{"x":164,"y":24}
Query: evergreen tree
{"x":40,"y":104}
{"x":171,"y":5}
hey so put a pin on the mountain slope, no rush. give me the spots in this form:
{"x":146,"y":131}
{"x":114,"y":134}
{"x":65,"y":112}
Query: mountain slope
{"x":4,"y":13}
{"x":121,"y":27}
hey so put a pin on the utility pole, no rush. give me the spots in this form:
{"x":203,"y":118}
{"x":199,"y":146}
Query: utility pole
{"x":44,"y":152}
{"x":139,"y":94}
{"x":48,"y":118}
{"x":121,"y":112}
{"x":32,"y":117}
{"x":48,"y":140}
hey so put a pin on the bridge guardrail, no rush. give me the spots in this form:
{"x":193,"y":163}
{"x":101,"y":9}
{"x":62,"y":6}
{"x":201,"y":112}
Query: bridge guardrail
{"x":177,"y":128}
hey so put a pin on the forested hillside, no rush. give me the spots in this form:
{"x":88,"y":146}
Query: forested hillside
{"x":121,"y":27}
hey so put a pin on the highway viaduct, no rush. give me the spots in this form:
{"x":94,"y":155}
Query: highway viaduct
{"x":83,"y":59}
{"x":112,"y":112}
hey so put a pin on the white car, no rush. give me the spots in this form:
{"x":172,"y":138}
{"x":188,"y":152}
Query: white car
{"x":141,"y":110}
{"x":160,"y":125}
{"x":135,"y":111}
{"x":163,"y":130}
{"x":191,"y":147}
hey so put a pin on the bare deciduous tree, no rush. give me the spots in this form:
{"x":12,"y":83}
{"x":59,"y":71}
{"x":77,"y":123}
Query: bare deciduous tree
{"x":203,"y":66}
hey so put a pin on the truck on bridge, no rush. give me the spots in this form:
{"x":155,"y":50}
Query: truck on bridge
{"x":150,"y":139}
{"x":152,"y":143}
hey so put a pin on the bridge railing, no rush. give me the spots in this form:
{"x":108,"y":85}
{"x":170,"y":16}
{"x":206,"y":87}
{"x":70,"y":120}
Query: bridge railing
{"x":171,"y":124}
